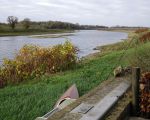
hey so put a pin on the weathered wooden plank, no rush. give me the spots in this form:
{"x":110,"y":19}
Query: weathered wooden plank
{"x":100,"y":109}
{"x":83,"y":108}
{"x":135,"y":89}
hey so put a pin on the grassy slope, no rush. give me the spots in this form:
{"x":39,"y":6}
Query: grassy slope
{"x":29,"y":100}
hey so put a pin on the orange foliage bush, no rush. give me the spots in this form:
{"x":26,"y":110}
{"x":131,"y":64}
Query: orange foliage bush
{"x":33,"y":61}
{"x":145,"y":37}
{"x":141,"y":30}
{"x":145,"y":95}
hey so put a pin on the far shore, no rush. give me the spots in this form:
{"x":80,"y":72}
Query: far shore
{"x":119,"y":30}
{"x":34,"y":32}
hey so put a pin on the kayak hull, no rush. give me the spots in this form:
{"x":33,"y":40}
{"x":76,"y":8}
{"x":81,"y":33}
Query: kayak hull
{"x":71,"y":93}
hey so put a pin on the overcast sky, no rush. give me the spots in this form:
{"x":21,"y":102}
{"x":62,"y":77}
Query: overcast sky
{"x":101,"y":12}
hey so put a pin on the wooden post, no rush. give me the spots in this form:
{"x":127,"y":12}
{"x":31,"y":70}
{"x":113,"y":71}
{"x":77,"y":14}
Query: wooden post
{"x":135,"y":89}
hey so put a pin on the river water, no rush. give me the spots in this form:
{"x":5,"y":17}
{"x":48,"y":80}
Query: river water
{"x":85,"y":40}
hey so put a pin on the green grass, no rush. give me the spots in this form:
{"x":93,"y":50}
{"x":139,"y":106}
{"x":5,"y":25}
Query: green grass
{"x":32,"y":99}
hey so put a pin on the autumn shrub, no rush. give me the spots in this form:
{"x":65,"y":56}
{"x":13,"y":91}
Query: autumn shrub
{"x":145,"y":95}
{"x":138,"y":31}
{"x":33,"y":61}
{"x":145,"y":37}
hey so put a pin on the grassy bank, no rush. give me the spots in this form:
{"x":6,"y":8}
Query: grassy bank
{"x":35,"y":98}
{"x":22,"y":32}
{"x":32,"y":99}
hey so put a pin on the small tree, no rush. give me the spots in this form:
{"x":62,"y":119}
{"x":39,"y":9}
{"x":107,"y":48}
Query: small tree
{"x":26,"y":23}
{"x":12,"y":20}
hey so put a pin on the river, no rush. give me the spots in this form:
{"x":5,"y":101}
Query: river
{"x":85,"y":40}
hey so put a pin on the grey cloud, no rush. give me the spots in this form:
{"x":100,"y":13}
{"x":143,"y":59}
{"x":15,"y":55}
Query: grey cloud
{"x":102,"y":12}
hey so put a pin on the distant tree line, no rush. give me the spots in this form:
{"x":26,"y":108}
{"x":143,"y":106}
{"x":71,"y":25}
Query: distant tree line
{"x":27,"y":24}
{"x":127,"y":27}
